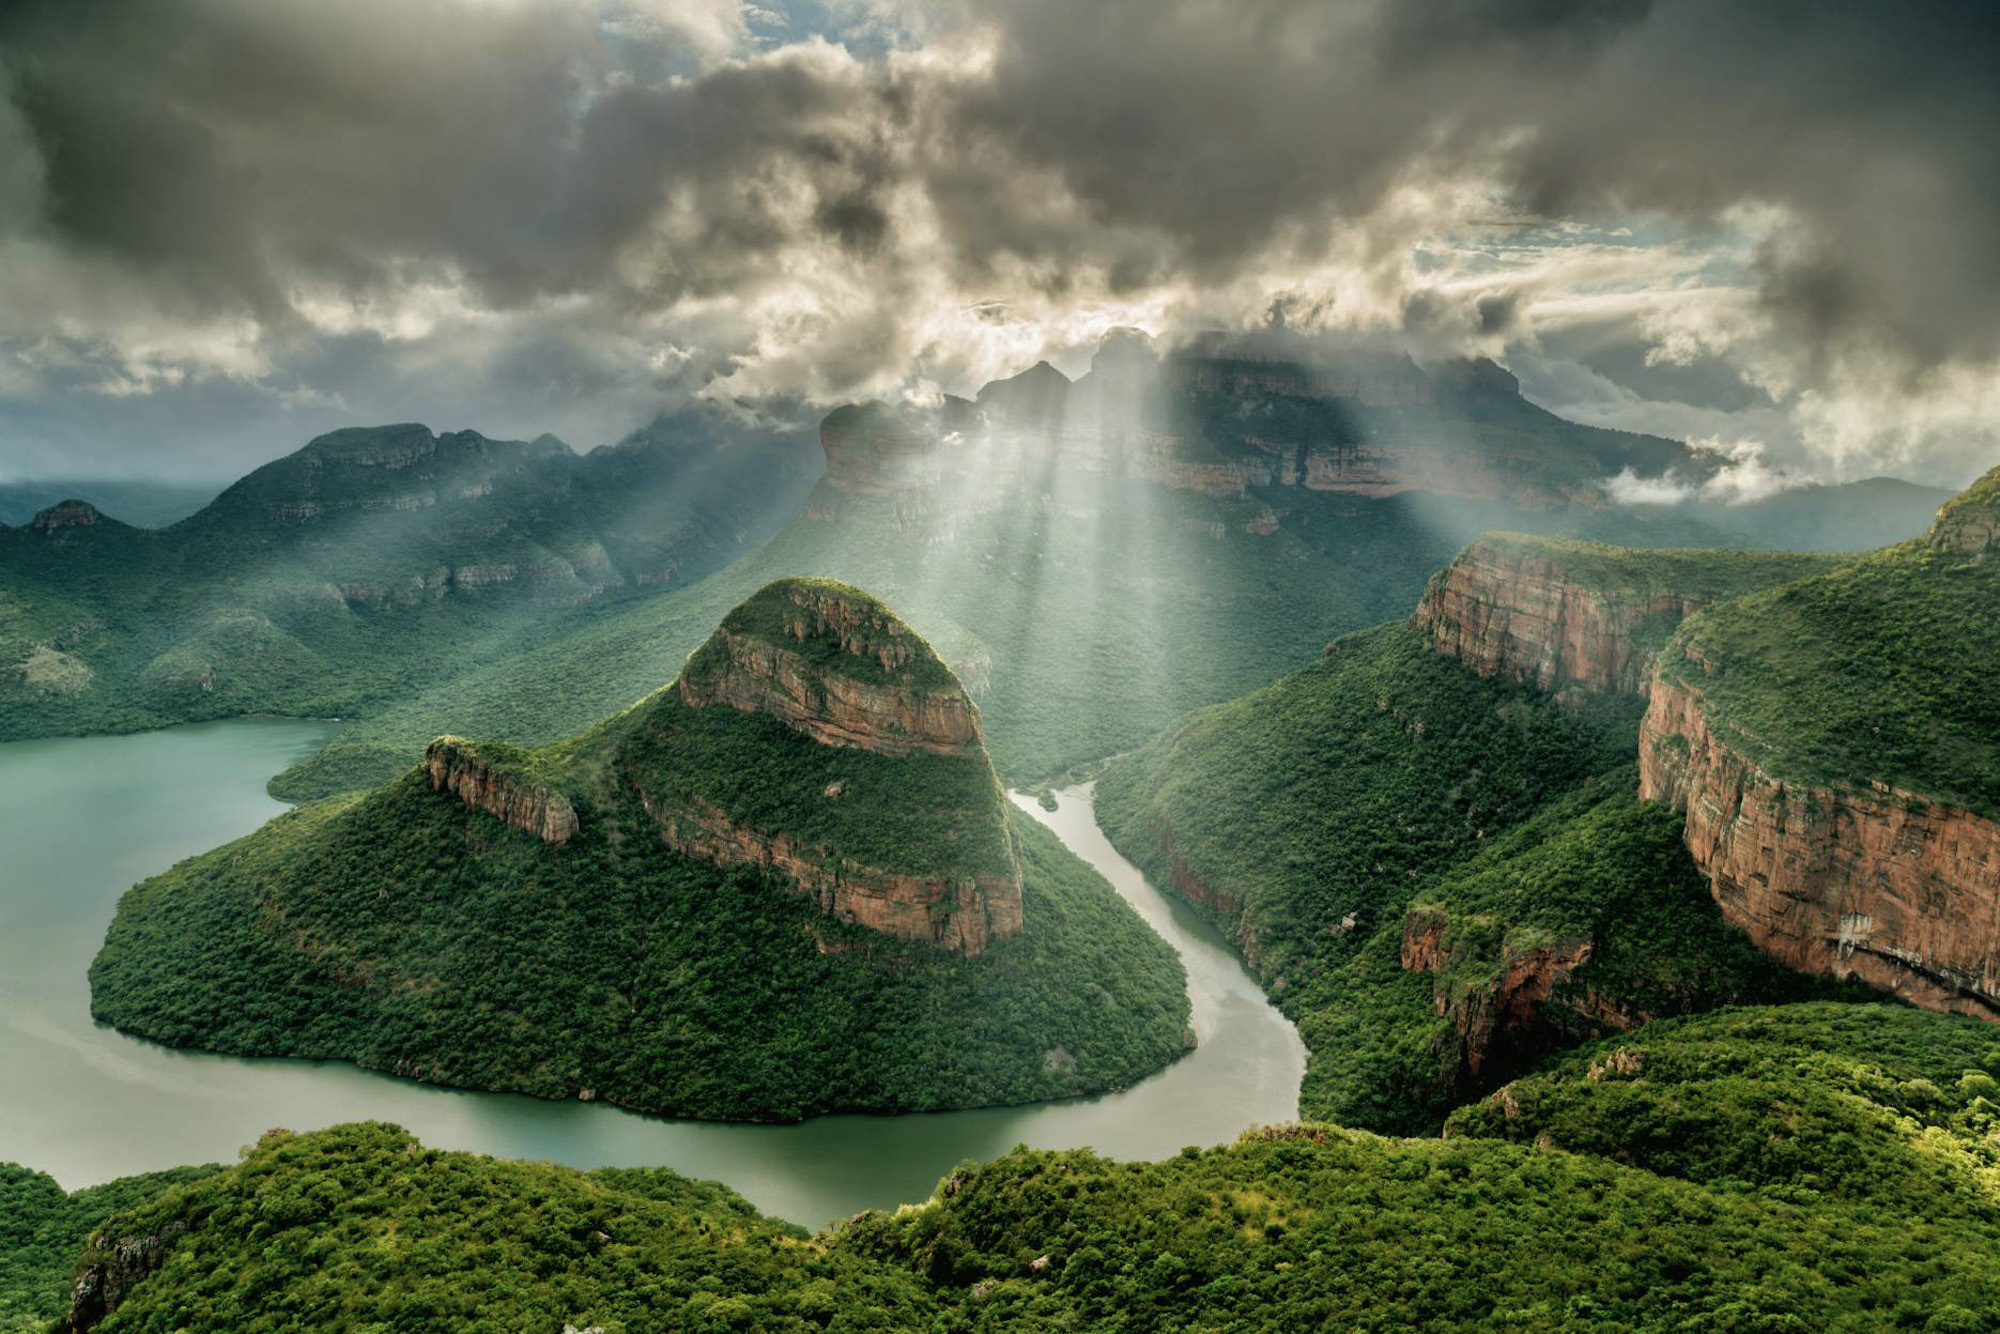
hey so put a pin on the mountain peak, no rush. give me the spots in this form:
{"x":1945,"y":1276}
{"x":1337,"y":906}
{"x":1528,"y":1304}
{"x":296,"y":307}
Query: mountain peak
{"x":829,"y":660}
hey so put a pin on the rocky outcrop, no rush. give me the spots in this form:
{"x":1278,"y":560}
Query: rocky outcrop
{"x":875,"y":450}
{"x":1504,"y":1014}
{"x":1873,"y":883}
{"x":66,"y":514}
{"x":961,"y":915}
{"x":1968,"y":522}
{"x":472,"y":774}
{"x":884,"y":700}
{"x":1516,"y":611}
{"x":111,"y":1268}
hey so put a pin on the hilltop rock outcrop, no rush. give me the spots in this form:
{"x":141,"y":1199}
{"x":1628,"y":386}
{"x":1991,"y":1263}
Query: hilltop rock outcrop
{"x":873,"y":701}
{"x":66,"y":514}
{"x":470,"y":773}
{"x":1878,"y":884}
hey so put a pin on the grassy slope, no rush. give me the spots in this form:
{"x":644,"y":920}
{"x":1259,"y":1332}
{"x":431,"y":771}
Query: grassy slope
{"x":1881,"y":669}
{"x":1388,"y":774}
{"x":406,"y":933}
{"x":1819,"y":1167}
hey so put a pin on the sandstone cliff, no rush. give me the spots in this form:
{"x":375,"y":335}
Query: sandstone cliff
{"x":474,"y":775}
{"x":911,"y":842}
{"x":839,"y":668}
{"x":1854,"y":881}
{"x":960,"y":914}
{"x":1556,"y":614}
{"x":1506,"y":1007}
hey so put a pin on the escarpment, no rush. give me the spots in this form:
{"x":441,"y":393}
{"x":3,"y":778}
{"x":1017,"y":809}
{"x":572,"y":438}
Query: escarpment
{"x":1835,"y":750}
{"x":473,"y":775}
{"x":834,"y":666}
{"x":840,"y":668}
{"x":961,"y":914}
{"x":1557,"y":615}
{"x":1865,"y":881}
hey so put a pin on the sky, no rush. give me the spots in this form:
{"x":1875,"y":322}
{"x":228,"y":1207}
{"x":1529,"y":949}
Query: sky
{"x":229,"y":225}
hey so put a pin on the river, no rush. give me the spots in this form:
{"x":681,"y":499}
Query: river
{"x":82,"y":819}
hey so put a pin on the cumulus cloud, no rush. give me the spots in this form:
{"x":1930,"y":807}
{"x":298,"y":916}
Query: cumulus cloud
{"x":567,"y":213}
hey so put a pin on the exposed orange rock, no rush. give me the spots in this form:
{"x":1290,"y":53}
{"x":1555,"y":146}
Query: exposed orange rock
{"x":457,"y":767}
{"x":961,"y":915}
{"x":751,"y":672}
{"x":1879,"y":884}
{"x":1501,"y":1016}
{"x":1505,"y":611}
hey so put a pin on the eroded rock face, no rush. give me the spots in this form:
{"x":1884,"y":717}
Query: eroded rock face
{"x":1878,"y":884}
{"x":107,"y":1277}
{"x":762,"y":675}
{"x":961,"y":915}
{"x":1503,"y":1017}
{"x":874,"y":450}
{"x":66,"y":514}
{"x":1506,"y":612}
{"x":458,"y":767}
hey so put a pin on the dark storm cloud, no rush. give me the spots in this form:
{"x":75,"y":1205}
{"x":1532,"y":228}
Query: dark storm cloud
{"x":591,"y":174}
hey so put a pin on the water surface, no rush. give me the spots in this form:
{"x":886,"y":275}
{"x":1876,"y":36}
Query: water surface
{"x":82,"y":819}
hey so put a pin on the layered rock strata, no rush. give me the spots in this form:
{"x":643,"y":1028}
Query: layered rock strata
{"x":961,"y":915}
{"x":1507,"y":610}
{"x":457,"y":766}
{"x":1879,"y":884}
{"x":753,"y":672}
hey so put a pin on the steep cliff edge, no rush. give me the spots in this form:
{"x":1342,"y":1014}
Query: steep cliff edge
{"x":488,"y":778}
{"x":1557,"y":614}
{"x":1835,"y":748}
{"x":818,"y":736}
{"x":831,"y":662}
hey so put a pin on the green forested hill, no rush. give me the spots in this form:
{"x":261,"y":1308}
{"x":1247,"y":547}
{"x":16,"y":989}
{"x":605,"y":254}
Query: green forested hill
{"x":368,"y":565}
{"x":1388,"y":795}
{"x":1879,"y":670}
{"x":404,"y":931}
{"x":1817,"y":1167}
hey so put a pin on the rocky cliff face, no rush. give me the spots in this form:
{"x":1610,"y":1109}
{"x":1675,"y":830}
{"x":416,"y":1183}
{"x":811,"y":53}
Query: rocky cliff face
{"x":1506,"y":1014}
{"x":961,"y":915}
{"x":460,"y":768}
{"x":875,"y":450}
{"x":110,"y":1269}
{"x":66,"y":514}
{"x":887,"y":709}
{"x":1557,"y":614}
{"x":1878,"y":884}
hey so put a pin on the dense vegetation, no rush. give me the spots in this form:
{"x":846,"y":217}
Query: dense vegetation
{"x":367,"y":566}
{"x":1769,"y":1171}
{"x":1661,"y":572}
{"x":41,"y":1226}
{"x":1312,"y":817}
{"x":1878,"y":670}
{"x":406,"y":932}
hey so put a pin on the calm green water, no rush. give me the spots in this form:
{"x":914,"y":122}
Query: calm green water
{"x":80,"y":820}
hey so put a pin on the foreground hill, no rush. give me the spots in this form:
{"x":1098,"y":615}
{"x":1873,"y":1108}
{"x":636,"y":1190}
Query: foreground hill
{"x":1822,"y":1167}
{"x":342,"y":576}
{"x":1835,"y":746}
{"x":787,"y":884}
{"x":1429,"y":845}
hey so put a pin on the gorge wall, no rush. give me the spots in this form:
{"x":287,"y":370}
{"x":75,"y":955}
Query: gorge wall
{"x":1515,"y":609}
{"x":459,"y":767}
{"x":1876,"y":883}
{"x":961,"y":914}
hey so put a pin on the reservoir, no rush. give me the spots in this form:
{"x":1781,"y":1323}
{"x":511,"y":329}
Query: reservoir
{"x":82,"y":819}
